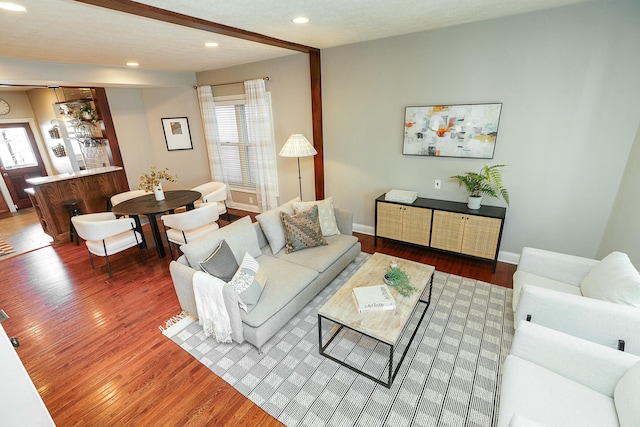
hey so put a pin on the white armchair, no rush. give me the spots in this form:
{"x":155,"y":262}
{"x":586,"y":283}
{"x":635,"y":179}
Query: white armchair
{"x":105,"y":235}
{"x":557,"y":291}
{"x":181,"y":228}
{"x":553,"y":379}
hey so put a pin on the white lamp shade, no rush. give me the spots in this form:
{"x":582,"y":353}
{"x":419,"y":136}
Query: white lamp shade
{"x":297,"y":146}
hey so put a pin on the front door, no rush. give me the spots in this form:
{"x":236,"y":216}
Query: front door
{"x":19,"y":160}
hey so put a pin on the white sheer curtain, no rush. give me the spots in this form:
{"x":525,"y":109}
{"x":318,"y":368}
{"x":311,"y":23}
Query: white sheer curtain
{"x":210,"y":125}
{"x":260,"y":131}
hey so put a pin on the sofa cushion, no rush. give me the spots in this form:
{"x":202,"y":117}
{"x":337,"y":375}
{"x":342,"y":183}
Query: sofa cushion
{"x":272,"y":226}
{"x":625,"y":397}
{"x":302,"y":230}
{"x":248,"y":282}
{"x":550,"y":399}
{"x":322,"y":257}
{"x":613,"y":279}
{"x":520,"y":278}
{"x":221,"y":263}
{"x":240,"y":236}
{"x":326,"y":214}
{"x":286,"y":280}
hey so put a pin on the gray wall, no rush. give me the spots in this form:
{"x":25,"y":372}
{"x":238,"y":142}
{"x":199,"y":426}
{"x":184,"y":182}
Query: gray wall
{"x":567,"y":79}
{"x":289,"y":84}
{"x":623,"y":230}
{"x":137,"y":115}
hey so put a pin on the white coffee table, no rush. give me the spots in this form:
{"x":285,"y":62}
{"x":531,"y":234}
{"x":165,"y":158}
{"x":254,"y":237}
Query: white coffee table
{"x":383,"y":326}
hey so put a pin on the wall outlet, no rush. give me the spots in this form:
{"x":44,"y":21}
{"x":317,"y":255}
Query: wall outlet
{"x":437,"y":184}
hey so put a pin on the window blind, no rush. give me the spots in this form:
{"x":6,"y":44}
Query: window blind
{"x":235,"y":148}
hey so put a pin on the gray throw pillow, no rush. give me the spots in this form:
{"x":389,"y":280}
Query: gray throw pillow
{"x":248,"y":282}
{"x":302,"y":230}
{"x":221,"y":263}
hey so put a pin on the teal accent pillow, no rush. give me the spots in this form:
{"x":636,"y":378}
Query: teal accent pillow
{"x":248,"y":282}
{"x":221,"y":263}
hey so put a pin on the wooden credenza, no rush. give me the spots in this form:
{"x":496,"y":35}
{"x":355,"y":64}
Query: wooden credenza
{"x":93,"y":187}
{"x":442,"y":225}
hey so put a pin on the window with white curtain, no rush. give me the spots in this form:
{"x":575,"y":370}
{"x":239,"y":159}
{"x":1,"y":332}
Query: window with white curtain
{"x":238,"y":156}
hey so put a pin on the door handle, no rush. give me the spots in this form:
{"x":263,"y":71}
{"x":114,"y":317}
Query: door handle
{"x":5,"y":174}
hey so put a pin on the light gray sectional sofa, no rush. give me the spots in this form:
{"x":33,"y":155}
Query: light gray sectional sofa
{"x":293,"y":279}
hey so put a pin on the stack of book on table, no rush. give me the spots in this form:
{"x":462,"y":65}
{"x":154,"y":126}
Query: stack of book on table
{"x":401,"y":196}
{"x":373,"y":298}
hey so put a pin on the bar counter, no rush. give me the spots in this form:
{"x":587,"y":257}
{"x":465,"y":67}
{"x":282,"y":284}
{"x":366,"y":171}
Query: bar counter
{"x":48,"y":193}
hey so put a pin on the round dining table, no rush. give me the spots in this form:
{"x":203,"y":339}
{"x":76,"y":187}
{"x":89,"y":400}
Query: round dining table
{"x":149,"y":206}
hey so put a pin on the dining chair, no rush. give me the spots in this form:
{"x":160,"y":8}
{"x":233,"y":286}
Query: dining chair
{"x":127,"y":195}
{"x":181,"y":228}
{"x":106,"y":235}
{"x":218,"y":195}
{"x":204,"y":189}
{"x":121,"y":197}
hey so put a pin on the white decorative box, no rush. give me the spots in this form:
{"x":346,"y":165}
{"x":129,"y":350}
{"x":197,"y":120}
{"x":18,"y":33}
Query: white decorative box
{"x":401,"y":196}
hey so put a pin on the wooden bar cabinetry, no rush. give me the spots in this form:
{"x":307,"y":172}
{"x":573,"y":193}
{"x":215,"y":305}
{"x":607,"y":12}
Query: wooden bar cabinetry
{"x":442,"y":225}
{"x":93,"y":187}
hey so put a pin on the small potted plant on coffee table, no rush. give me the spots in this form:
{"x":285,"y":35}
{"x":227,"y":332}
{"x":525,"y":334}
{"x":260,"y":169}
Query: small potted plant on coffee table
{"x":399,"y":279}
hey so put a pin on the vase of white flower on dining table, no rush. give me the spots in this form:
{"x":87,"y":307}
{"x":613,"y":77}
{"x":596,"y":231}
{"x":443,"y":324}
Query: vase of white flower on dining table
{"x":151,"y":181}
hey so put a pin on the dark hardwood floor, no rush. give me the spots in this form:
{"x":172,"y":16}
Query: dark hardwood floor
{"x":94,"y":351}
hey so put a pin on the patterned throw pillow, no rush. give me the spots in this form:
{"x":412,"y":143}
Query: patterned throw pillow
{"x":248,"y":282}
{"x":326,"y":215}
{"x":221,"y":263}
{"x":302,"y":230}
{"x":272,"y":225}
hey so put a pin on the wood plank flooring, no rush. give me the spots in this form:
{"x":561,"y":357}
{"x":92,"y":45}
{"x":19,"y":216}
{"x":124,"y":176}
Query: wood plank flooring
{"x":93,"y":348}
{"x":22,"y":231}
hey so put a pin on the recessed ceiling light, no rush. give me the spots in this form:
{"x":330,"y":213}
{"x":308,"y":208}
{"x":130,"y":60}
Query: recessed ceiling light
{"x":12,"y":6}
{"x":132,"y":64}
{"x":211,"y":44}
{"x":300,"y":20}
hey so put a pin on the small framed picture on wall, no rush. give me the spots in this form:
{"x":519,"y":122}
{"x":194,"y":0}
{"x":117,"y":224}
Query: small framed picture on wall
{"x":177,"y":134}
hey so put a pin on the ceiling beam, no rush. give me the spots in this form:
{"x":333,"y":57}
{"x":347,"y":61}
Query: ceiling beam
{"x":152,"y":12}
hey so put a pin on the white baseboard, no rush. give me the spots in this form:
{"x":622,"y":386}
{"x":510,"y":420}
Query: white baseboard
{"x":364,"y":229}
{"x":503,"y":256}
{"x":509,"y":257}
{"x":244,"y":207}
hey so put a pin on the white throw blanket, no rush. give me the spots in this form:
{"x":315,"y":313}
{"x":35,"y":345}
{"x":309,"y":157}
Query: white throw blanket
{"x":212,"y":311}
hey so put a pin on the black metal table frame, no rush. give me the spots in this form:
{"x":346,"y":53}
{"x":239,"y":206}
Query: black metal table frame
{"x":392,"y":373}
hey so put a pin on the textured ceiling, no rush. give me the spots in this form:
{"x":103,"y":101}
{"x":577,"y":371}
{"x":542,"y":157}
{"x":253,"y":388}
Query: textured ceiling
{"x":70,"y":32}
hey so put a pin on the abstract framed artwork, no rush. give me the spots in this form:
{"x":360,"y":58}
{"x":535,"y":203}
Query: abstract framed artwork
{"x":177,"y":134}
{"x":467,"y":130}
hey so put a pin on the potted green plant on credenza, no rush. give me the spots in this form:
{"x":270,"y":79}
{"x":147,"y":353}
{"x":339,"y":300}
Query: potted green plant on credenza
{"x":488,"y":182}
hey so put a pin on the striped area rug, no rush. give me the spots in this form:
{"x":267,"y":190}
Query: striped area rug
{"x":5,"y":249}
{"x":450,"y":377}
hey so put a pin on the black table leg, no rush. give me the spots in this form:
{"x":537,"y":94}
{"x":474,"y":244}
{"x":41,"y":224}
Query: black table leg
{"x":136,"y":218}
{"x":157,"y":238}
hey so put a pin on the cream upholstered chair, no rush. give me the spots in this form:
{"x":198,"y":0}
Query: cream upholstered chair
{"x":204,"y":189}
{"x":121,"y":197}
{"x":105,"y":235}
{"x":219,"y":196}
{"x":595,"y":300}
{"x":181,"y":228}
{"x":127,"y":195}
{"x":551,"y":378}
